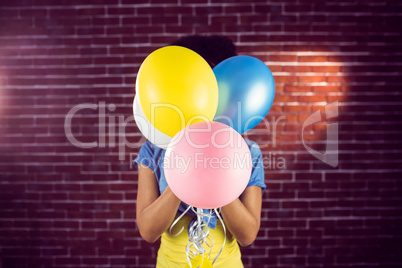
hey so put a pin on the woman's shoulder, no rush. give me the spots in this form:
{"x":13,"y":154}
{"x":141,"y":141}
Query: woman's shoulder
{"x":253,"y":146}
{"x":149,"y":146}
{"x":149,"y":155}
{"x":151,"y":150}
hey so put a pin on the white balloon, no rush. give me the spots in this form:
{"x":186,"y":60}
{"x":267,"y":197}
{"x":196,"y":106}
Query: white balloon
{"x":147,"y":129}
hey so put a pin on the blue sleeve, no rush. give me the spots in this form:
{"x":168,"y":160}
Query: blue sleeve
{"x":257,"y":173}
{"x":146,"y":156}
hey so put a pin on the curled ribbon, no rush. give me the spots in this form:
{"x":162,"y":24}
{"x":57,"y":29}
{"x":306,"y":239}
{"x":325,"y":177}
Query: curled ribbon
{"x":199,"y":234}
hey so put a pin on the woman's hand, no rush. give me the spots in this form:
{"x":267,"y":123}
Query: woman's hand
{"x":154,"y":213}
{"x":242,"y":216}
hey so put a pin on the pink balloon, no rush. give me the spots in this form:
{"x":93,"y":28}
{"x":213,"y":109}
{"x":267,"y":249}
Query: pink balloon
{"x":207,"y":165}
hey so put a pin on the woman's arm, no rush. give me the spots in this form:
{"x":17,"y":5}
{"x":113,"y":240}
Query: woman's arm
{"x":242,"y":216}
{"x":154,"y":213}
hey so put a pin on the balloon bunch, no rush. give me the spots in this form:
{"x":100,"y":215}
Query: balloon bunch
{"x":198,"y":115}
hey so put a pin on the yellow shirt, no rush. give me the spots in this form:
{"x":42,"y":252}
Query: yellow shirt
{"x":172,"y":252}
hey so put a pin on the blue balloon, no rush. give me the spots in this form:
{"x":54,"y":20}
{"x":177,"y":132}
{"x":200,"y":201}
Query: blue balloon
{"x":246,"y":92}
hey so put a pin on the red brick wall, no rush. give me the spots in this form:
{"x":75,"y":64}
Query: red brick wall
{"x":65,"y":206}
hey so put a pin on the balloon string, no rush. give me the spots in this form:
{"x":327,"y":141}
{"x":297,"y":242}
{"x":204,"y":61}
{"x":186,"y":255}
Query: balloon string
{"x":199,"y":234}
{"x":177,"y":220}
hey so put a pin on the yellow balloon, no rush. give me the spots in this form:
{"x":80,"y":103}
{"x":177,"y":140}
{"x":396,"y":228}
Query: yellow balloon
{"x":206,"y":263}
{"x":176,"y":87}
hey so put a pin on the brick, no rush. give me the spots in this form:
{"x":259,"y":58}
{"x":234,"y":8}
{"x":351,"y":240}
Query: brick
{"x":285,"y":98}
{"x":165,"y":20}
{"x":283,"y":38}
{"x":120,"y":11}
{"x":68,"y":261}
{"x":107,"y":215}
{"x":254,"y":38}
{"x":95,"y":261}
{"x":283,"y":58}
{"x":238,"y":8}
{"x":297,"y":68}
{"x":192,"y":20}
{"x":94,"y":224}
{"x":121,"y":206}
{"x":312,"y":58}
{"x":285,"y":79}
{"x":109,"y":196}
{"x":98,"y":21}
{"x":82,"y":196}
{"x":309,"y":214}
{"x":253,"y":18}
{"x":298,"y":108}
{"x":326,"y":69}
{"x":291,"y":88}
{"x":95,"y":187}
{"x":123,"y":187}
{"x":280,"y":251}
{"x":313,"y":98}
{"x":121,"y":225}
{"x":66,"y":206}
{"x":208,"y":10}
{"x":110,"y":234}
{"x":312,"y":79}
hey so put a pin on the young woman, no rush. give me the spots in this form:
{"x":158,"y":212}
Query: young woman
{"x":158,"y":207}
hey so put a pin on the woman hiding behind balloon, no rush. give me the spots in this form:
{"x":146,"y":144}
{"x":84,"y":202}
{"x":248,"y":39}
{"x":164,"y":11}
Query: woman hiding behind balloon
{"x":159,"y":210}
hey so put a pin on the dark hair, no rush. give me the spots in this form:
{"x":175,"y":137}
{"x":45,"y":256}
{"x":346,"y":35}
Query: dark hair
{"x":213,"y":49}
